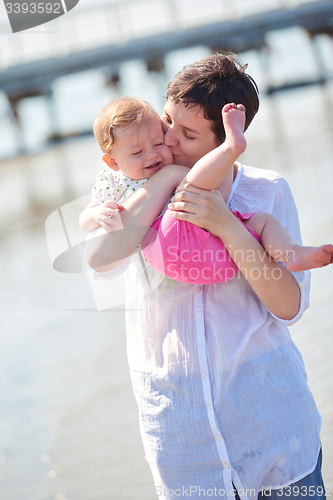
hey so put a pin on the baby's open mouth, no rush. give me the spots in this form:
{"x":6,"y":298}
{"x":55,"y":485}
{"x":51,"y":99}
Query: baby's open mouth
{"x":155,"y":166}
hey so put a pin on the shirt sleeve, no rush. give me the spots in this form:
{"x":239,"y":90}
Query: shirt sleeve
{"x":284,"y":209}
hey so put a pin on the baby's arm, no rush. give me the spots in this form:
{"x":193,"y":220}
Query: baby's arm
{"x":140,"y":211}
{"x":95,"y":216}
{"x":210,"y":170}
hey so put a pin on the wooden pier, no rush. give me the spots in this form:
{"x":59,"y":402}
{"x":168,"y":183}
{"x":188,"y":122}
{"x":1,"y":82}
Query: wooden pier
{"x":35,"y":78}
{"x":236,"y":33}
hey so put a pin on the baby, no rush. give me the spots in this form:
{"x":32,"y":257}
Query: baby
{"x":130,"y":135}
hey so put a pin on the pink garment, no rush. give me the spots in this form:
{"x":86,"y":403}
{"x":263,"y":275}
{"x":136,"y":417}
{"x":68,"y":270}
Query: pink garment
{"x":185,"y":252}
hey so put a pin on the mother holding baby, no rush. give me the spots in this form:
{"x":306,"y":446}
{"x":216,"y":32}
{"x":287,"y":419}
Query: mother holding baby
{"x":224,"y":405}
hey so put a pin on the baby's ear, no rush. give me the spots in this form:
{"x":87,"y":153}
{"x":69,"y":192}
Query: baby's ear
{"x":111,"y":162}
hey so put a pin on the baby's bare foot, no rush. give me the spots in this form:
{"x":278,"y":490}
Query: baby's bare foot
{"x":303,"y":258}
{"x":234,"y":122}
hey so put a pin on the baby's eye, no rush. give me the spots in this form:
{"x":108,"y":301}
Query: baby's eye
{"x":137,"y":153}
{"x":159,"y":144}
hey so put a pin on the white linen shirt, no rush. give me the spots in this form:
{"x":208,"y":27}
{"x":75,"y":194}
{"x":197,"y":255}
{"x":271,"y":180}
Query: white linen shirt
{"x":220,"y":386}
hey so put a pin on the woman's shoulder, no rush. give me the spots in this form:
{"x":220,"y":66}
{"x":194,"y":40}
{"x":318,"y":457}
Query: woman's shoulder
{"x":259,"y":189}
{"x":252,"y":174}
{"x":259,"y":179}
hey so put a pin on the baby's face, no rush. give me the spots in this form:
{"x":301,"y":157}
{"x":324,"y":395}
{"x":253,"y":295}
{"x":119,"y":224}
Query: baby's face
{"x":139,"y":149}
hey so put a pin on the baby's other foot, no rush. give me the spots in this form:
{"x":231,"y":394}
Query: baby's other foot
{"x":303,"y":258}
{"x":233,"y":117}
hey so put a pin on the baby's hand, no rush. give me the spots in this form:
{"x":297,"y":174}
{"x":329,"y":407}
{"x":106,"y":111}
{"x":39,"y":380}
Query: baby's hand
{"x":105,"y":215}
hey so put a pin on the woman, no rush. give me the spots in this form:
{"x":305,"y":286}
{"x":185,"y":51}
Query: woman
{"x":221,"y":388}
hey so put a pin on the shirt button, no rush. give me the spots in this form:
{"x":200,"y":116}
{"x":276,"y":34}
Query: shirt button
{"x":209,"y":407}
{"x":226,"y":465}
{"x":204,"y":375}
{"x":199,"y":288}
{"x":217,"y":436}
{"x":199,"y":315}
{"x":201,"y":342}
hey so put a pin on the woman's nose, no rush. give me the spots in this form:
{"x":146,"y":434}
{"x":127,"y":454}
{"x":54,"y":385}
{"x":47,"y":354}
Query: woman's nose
{"x":170,"y":138}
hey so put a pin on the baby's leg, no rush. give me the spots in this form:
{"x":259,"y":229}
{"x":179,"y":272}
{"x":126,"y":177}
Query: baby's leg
{"x":210,"y":170}
{"x":234,"y":122}
{"x":281,"y":246}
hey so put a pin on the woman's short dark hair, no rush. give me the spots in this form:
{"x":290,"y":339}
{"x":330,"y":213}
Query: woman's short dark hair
{"x":213,"y":82}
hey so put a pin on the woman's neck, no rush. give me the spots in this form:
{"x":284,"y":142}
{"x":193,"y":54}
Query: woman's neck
{"x":226,"y":185}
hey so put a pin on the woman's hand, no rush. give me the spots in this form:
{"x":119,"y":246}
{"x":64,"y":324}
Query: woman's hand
{"x":206,"y":209}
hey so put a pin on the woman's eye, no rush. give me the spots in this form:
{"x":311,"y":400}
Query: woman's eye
{"x":187,"y":136}
{"x":166,"y":119}
{"x":159,"y":144}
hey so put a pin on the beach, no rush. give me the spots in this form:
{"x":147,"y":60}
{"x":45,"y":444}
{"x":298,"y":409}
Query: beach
{"x":68,"y":418}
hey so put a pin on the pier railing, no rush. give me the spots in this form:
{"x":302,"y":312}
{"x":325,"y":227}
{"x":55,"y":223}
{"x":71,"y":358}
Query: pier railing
{"x":118,"y":22}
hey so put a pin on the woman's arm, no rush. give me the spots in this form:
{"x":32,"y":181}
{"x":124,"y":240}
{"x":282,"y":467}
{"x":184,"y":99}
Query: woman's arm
{"x":274,"y":285}
{"x":140,"y":211}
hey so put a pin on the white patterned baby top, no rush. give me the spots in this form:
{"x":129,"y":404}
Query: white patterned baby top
{"x":114,"y":186}
{"x":118,"y":187}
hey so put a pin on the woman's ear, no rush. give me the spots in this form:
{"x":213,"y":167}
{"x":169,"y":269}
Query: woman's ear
{"x":111,"y":162}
